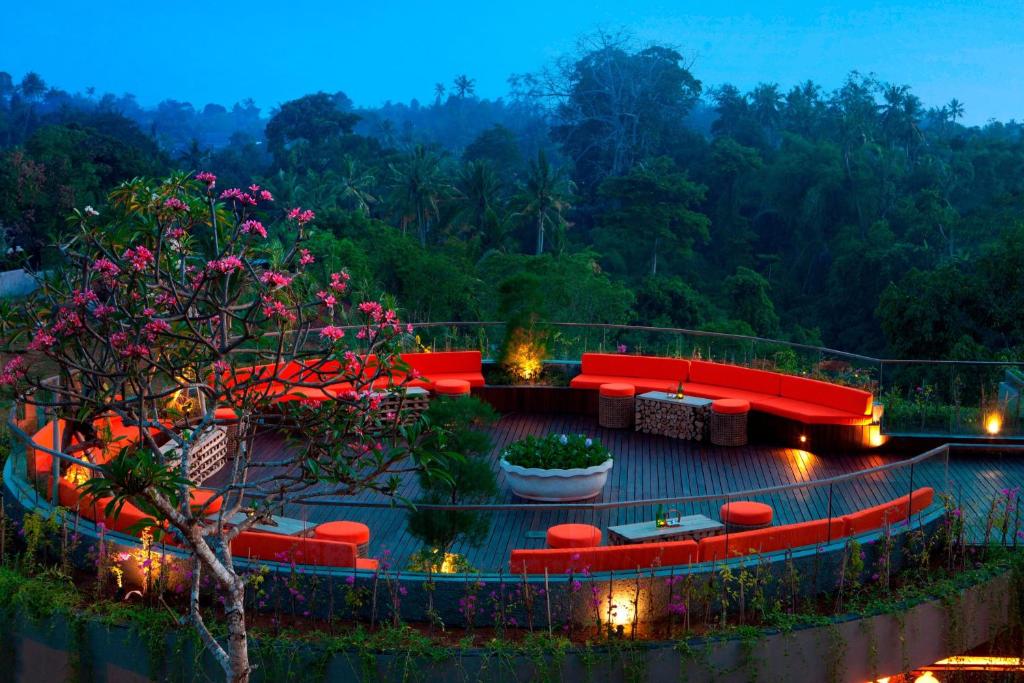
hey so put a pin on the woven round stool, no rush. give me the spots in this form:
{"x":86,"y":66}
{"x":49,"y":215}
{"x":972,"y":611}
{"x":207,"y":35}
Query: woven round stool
{"x":451,"y":387}
{"x":229,"y":420}
{"x":346,"y":532}
{"x":615,"y":405}
{"x":729,"y":421}
{"x":745,"y":515}
{"x":573,"y":536}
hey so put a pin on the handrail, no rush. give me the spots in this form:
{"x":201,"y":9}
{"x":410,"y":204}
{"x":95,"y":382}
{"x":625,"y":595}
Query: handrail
{"x":942,"y":450}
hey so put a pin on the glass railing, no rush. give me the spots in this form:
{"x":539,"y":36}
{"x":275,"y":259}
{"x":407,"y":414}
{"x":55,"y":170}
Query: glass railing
{"x":501,"y":527}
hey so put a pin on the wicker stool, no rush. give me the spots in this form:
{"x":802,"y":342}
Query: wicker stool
{"x":615,"y":405}
{"x":729,"y":421}
{"x":229,"y":419}
{"x":573,"y":536}
{"x":745,"y":515}
{"x":451,"y":387}
{"x":346,"y":532}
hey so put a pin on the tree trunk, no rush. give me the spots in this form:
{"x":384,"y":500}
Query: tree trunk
{"x":540,"y":234}
{"x":654,"y":258}
{"x":238,"y":644}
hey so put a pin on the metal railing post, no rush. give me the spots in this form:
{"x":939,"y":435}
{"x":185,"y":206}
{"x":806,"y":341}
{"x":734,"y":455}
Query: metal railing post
{"x":55,"y":465}
{"x":830,"y":513}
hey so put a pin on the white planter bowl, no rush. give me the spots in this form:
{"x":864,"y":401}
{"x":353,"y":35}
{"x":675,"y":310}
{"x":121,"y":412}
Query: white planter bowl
{"x":558,"y":486}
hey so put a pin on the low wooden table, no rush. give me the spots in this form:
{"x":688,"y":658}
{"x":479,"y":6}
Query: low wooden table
{"x":415,"y":401}
{"x":691,"y":527}
{"x":658,"y":412}
{"x":287,"y":526}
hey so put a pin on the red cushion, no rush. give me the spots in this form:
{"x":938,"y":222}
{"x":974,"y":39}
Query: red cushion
{"x":451,"y":387}
{"x":745,"y":512}
{"x":848,"y":399}
{"x":771,"y":539}
{"x":892,"y":512}
{"x":604,"y":558}
{"x":475,"y":379}
{"x":640,"y":384}
{"x":617,"y":390}
{"x":810,"y":413}
{"x":620,"y":365}
{"x":347,"y":532}
{"x":573,"y":536}
{"x":299,"y":549}
{"x":730,"y":406}
{"x":225,"y":414}
{"x":735,"y":376}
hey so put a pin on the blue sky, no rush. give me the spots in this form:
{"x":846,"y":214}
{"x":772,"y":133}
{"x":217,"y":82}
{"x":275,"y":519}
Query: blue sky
{"x":379,"y":50}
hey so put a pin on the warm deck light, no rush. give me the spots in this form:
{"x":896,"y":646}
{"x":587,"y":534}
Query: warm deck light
{"x":619,"y":611}
{"x":803,"y":438}
{"x":77,"y":475}
{"x":993,"y":423}
{"x":875,"y":438}
{"x":926,"y":677}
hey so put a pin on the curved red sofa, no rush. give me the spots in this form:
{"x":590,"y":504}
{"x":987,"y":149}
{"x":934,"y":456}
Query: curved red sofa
{"x":250,"y":544}
{"x":283,"y":382}
{"x":722,"y":547}
{"x":804,"y":400}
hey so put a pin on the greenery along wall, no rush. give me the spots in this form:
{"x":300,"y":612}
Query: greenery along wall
{"x":859,"y":217}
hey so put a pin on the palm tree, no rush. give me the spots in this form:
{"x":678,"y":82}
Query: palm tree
{"x":439,"y":91}
{"x":418,"y":186}
{"x":955,"y":110}
{"x":478,"y":188}
{"x":545,"y":197}
{"x":356,"y":183}
{"x":464,"y":85}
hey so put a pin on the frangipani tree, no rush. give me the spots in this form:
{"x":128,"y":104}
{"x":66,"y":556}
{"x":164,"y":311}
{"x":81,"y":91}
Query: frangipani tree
{"x":180,"y":288}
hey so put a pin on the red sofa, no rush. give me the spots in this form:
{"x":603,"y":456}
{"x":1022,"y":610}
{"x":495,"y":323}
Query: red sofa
{"x":801,"y":399}
{"x":256,"y":545}
{"x":282,"y":383}
{"x":721,"y":547}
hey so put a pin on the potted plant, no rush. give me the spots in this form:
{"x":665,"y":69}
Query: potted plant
{"x":558,"y":467}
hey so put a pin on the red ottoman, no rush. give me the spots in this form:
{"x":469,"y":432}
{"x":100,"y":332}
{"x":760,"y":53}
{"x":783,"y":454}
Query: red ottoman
{"x":346,"y":532}
{"x":197,"y":498}
{"x":744,"y":515}
{"x":615,"y":405}
{"x":574,"y":536}
{"x":729,"y":421}
{"x":451,"y":387}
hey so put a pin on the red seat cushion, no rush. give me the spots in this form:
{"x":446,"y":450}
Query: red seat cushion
{"x":347,"y":532}
{"x":451,"y":387}
{"x":847,"y":399}
{"x":746,"y":513}
{"x":429,"y":364}
{"x":573,"y":536}
{"x":617,"y":390}
{"x":730,"y":406}
{"x":640,"y":384}
{"x":604,"y":558}
{"x":811,"y":413}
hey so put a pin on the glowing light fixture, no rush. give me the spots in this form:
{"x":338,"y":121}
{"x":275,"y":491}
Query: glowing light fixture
{"x":875,"y":438}
{"x":926,"y":677}
{"x":993,"y":423}
{"x":803,"y":438}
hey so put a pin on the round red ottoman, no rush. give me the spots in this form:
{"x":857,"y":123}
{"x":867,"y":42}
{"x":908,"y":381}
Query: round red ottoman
{"x":574,"y":536}
{"x":451,"y":387}
{"x":615,"y":405}
{"x":729,"y":421}
{"x":197,"y":498}
{"x":743,"y":515}
{"x":346,"y":532}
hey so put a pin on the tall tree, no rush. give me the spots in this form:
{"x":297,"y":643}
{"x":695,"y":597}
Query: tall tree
{"x":418,"y":186}
{"x":545,"y":197}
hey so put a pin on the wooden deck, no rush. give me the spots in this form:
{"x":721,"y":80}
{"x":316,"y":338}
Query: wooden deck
{"x":648,"y":466}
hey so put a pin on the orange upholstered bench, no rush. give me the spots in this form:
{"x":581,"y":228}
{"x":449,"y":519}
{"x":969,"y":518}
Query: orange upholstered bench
{"x":770,"y":539}
{"x":603,"y":558}
{"x":892,"y":512}
{"x":256,"y":545}
{"x":801,"y":399}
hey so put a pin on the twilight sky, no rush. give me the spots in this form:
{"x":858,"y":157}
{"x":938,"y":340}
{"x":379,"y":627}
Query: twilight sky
{"x":383,"y":49}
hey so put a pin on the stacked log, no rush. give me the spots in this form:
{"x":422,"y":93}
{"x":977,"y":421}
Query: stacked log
{"x":672,"y":419}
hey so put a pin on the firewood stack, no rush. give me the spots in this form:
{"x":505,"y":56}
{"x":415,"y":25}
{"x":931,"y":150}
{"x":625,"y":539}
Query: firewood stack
{"x":676,"y":420}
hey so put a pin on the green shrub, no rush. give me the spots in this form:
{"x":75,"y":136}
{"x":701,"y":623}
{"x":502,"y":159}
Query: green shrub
{"x":557,"y":451}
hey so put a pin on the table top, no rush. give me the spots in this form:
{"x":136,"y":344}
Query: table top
{"x":693,"y":401}
{"x":649,"y":531}
{"x":282,"y":525}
